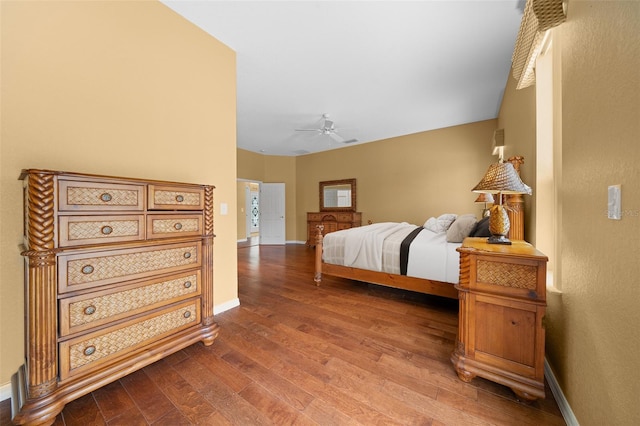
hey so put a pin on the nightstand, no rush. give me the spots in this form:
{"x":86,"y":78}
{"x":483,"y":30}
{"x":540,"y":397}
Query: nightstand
{"x":502,"y":293}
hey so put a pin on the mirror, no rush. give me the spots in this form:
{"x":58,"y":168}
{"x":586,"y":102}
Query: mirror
{"x":338,"y":195}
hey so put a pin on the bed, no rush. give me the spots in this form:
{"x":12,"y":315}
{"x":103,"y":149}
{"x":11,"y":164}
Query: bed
{"x":420,"y":258}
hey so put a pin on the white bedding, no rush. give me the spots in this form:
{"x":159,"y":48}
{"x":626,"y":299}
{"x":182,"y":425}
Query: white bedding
{"x":377,"y":248}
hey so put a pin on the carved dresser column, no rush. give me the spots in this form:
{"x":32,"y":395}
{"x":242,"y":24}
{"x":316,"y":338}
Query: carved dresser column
{"x":41,"y":327}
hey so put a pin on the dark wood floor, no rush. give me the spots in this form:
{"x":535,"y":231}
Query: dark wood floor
{"x":293,"y":353}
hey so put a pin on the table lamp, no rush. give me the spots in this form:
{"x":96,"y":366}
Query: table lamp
{"x":500,"y":178}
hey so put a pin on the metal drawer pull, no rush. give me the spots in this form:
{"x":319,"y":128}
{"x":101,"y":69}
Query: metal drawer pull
{"x":187,"y":255}
{"x":187,"y":314}
{"x":187,"y":284}
{"x":90,"y":310}
{"x":106,"y":197}
{"x":179,"y":198}
{"x":178,"y":226}
{"x":89,"y":350}
{"x":106,"y":230}
{"x":87,"y":269}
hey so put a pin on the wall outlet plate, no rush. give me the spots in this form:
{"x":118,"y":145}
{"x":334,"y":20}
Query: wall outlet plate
{"x":613,"y":206}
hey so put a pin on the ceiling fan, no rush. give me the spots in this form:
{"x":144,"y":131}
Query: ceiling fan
{"x":328,"y":128}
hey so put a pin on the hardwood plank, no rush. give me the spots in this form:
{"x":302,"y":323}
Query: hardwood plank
{"x":82,"y":411}
{"x":147,"y":396}
{"x":112,"y":400}
{"x":344,"y":353}
{"x":277,"y":410}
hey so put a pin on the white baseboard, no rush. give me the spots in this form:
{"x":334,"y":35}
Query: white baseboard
{"x":295,"y":242}
{"x":563,"y":404}
{"x":218,"y":309}
{"x":5,"y":391}
{"x":244,"y":240}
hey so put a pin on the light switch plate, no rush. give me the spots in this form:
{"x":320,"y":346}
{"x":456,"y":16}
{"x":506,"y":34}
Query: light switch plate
{"x":224,"y":209}
{"x":613,"y":205}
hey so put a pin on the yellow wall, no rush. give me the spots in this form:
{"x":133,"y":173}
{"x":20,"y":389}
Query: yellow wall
{"x":117,"y":88}
{"x":408,"y":178}
{"x":593,"y":342}
{"x":518,"y":119}
{"x":272,"y":169}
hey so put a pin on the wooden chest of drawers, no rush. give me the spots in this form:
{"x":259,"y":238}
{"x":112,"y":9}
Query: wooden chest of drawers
{"x":502,"y":294}
{"x":119,"y":273}
{"x":331,"y":221}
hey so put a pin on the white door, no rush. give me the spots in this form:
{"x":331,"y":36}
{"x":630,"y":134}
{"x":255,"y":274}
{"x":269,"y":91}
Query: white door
{"x":272,"y":209}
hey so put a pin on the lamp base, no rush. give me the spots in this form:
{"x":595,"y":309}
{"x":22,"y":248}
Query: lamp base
{"x":498,"y":239}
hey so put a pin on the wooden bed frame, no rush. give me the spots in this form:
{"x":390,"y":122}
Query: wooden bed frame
{"x":515,"y":210}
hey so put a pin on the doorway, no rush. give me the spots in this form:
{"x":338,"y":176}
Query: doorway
{"x":261,"y":213}
{"x":248,"y":213}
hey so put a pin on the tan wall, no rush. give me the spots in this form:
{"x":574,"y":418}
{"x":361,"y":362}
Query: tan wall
{"x":597,"y":348}
{"x":240,"y":210}
{"x":272,"y":169}
{"x":408,"y":178}
{"x":518,"y":119}
{"x":117,"y":88}
{"x":593,"y":342}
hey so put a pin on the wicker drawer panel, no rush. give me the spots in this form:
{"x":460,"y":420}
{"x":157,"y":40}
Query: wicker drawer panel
{"x":80,"y":354}
{"x":507,"y":274}
{"x":159,"y":226}
{"x":175,"y":198}
{"x":77,"y":230}
{"x":90,"y":310}
{"x":78,"y":195}
{"x":93,"y":269}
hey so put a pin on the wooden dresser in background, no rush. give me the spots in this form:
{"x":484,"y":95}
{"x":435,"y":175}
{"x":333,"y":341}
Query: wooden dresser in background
{"x":332,"y":221}
{"x":502,"y":294}
{"x":119,"y":274}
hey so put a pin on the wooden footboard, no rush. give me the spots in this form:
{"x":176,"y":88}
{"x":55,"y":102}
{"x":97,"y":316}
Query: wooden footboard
{"x":420,"y":285}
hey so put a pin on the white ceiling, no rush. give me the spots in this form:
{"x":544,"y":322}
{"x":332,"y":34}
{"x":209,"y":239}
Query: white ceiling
{"x":380,"y":69}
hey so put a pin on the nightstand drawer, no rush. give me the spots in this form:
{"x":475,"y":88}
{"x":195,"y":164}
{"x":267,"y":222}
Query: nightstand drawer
{"x":93,"y":269}
{"x":86,"y":311}
{"x":83,"y":353}
{"x":78,"y":230}
{"x":162,"y":226}
{"x":97,"y":196}
{"x":175,"y":198}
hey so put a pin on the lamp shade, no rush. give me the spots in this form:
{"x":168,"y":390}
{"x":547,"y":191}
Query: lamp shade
{"x":502,"y":178}
{"x":484,"y":198}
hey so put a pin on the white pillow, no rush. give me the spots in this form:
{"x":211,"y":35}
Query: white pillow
{"x":461,"y":228}
{"x":440,"y":224}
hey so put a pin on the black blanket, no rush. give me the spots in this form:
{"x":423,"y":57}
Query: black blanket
{"x":404,"y":249}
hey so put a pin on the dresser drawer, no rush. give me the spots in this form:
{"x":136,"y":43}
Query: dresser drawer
{"x":175,"y":198}
{"x":78,"y":230}
{"x":82,"y":312}
{"x":84,"y":353}
{"x":96,"y":196}
{"x":162,"y":226}
{"x":315,"y":217}
{"x":91,"y":269}
{"x":345,"y":217}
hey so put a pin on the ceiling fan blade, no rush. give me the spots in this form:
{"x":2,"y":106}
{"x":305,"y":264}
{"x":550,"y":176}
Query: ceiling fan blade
{"x":350,"y":141}
{"x":336,"y":137}
{"x":307,"y":130}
